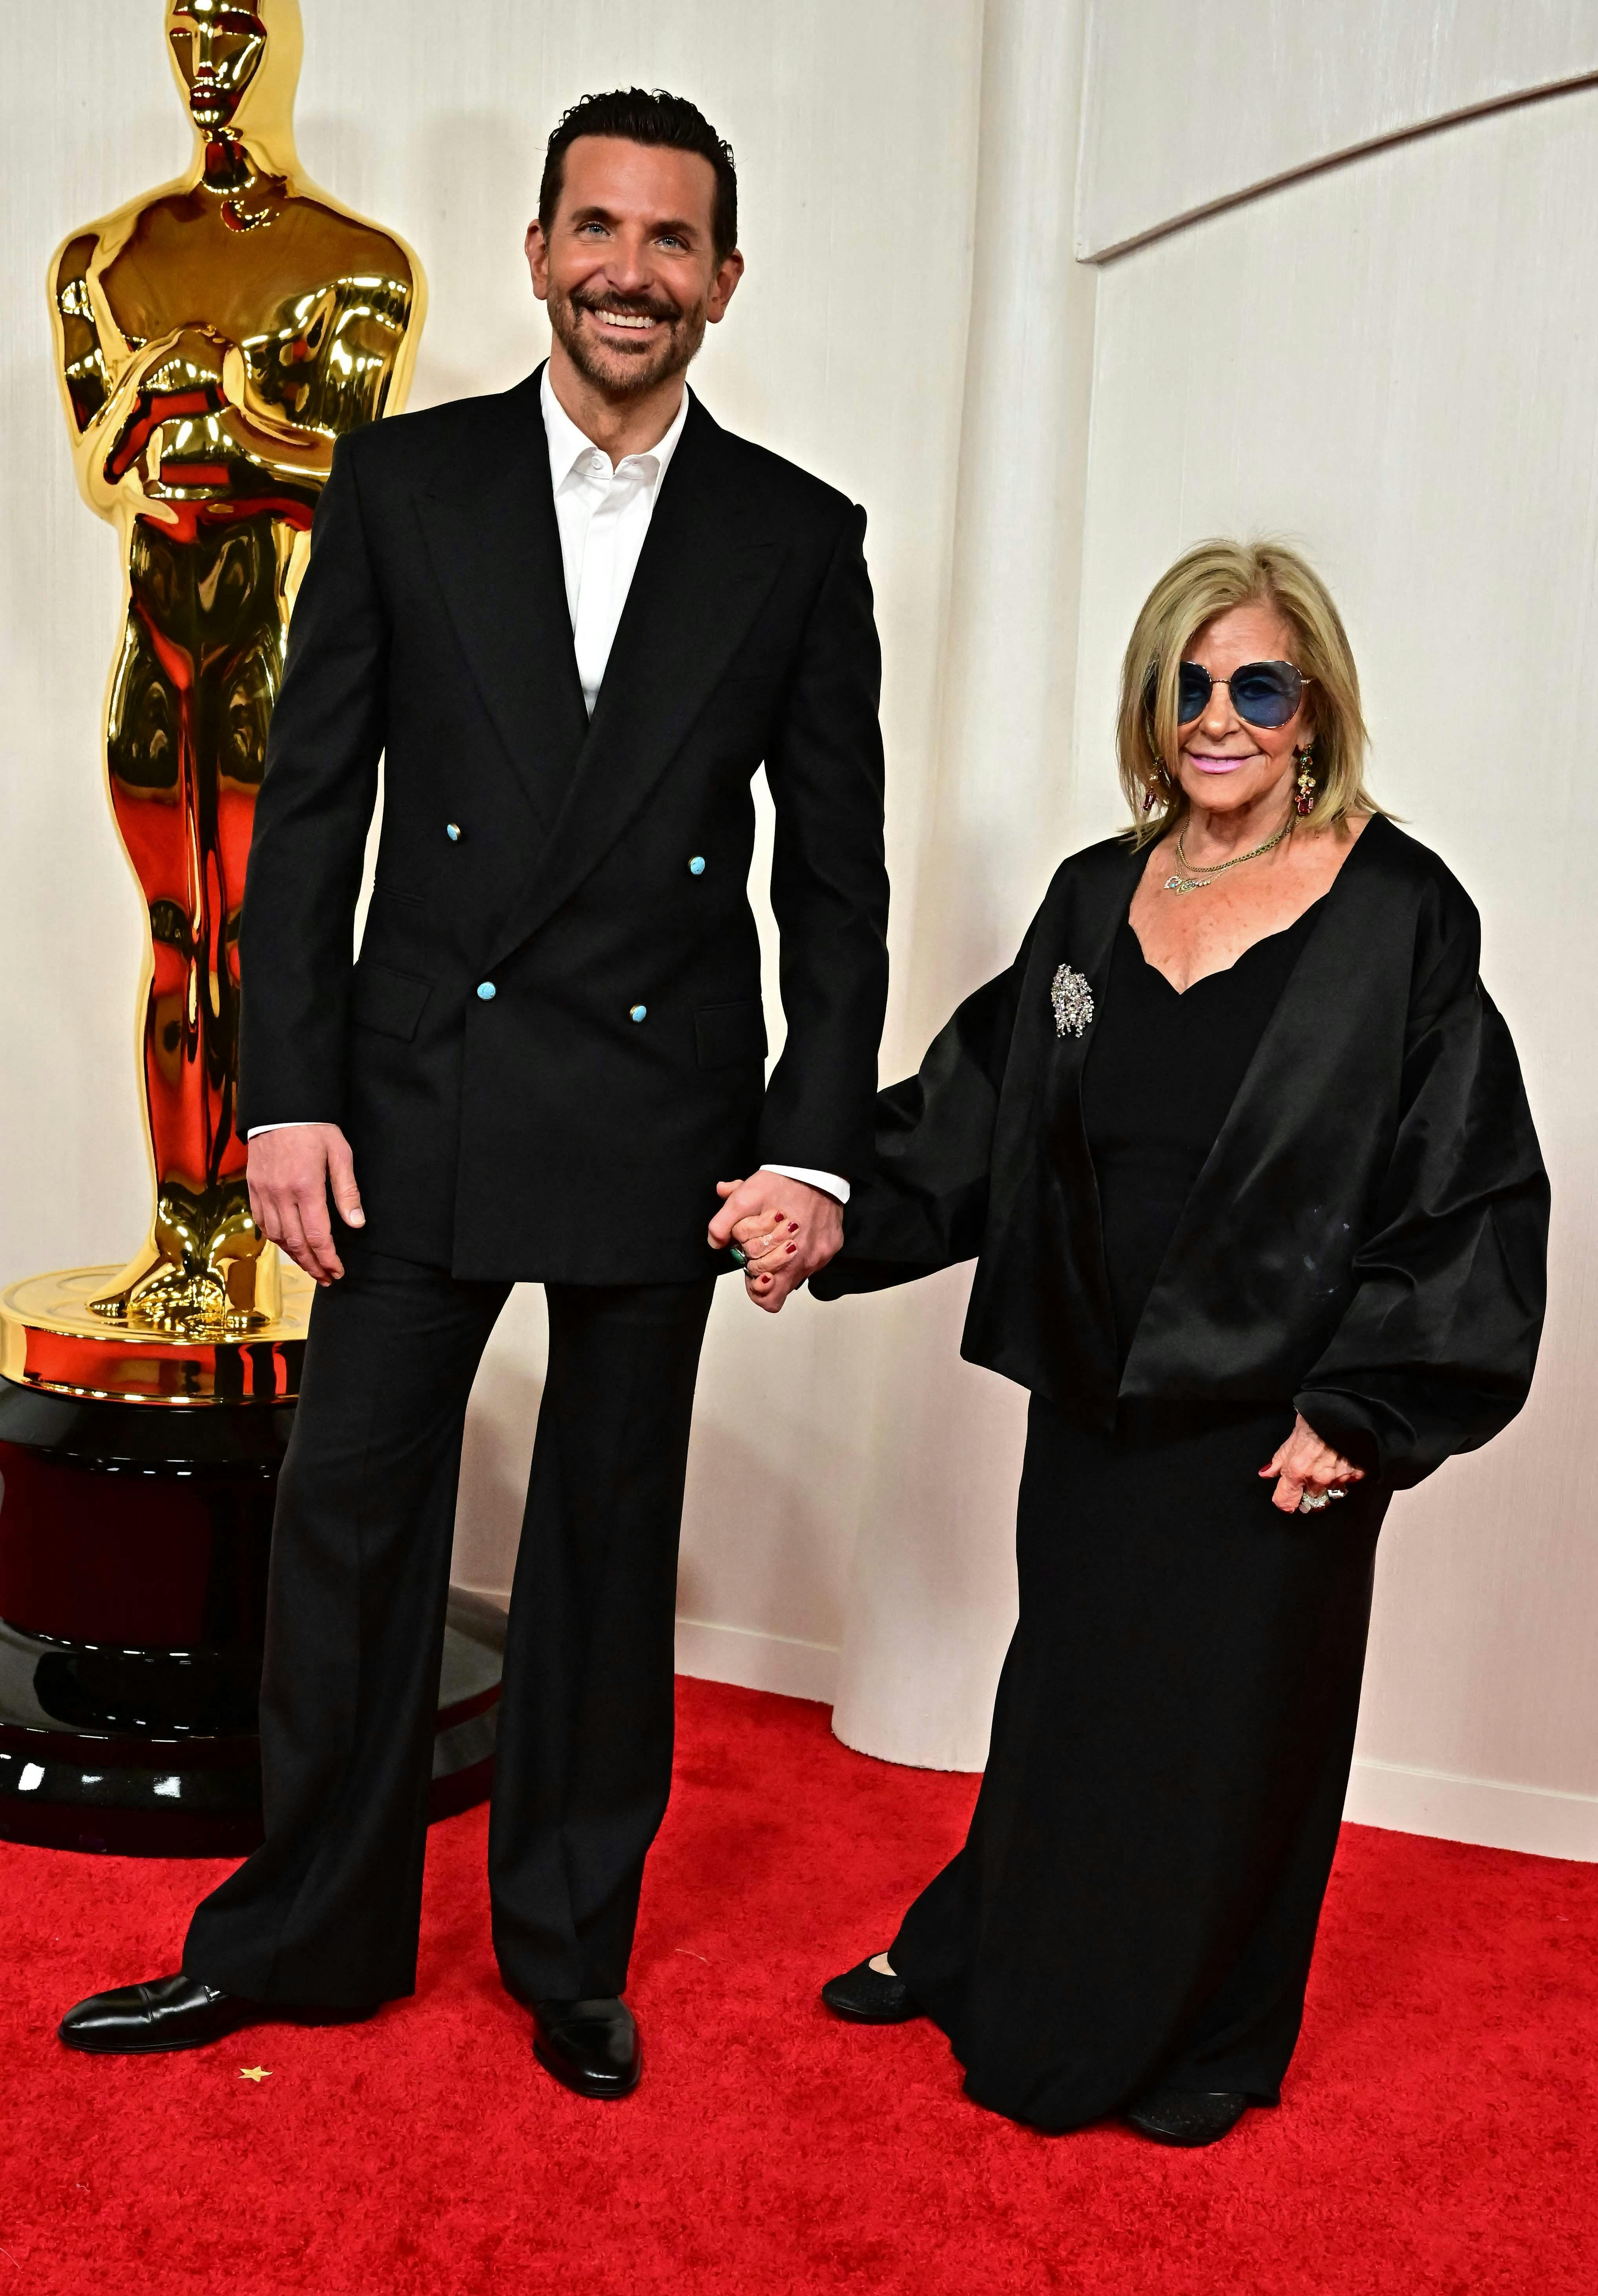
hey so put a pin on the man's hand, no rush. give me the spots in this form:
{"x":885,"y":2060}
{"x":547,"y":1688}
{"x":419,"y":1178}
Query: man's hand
{"x":789,"y":1231}
{"x":291,"y":1170}
{"x":1306,"y":1468}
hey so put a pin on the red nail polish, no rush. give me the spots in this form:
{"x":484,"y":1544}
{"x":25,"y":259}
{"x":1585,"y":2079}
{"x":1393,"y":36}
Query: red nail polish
{"x":794,"y":1228}
{"x":793,"y":1247}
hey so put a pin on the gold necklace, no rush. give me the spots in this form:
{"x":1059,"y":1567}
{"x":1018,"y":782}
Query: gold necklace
{"x":1188,"y":883}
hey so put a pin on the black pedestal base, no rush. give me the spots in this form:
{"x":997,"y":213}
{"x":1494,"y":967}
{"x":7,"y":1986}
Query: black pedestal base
{"x":133,"y":1544}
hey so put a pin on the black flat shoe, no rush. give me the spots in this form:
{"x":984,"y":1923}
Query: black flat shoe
{"x":592,"y":2047}
{"x":866,"y":1997}
{"x":1176,"y":2117}
{"x":172,"y":2013}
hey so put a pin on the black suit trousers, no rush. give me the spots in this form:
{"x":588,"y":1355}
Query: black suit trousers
{"x":326,"y":1912}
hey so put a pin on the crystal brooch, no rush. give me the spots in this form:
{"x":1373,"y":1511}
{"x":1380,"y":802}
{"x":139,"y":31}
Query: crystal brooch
{"x":1072,"y":1000}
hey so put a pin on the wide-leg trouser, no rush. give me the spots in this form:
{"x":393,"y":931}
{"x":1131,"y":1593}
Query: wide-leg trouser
{"x":326,"y":1912}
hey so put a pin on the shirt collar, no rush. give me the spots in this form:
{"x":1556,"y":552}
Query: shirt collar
{"x":569,"y":445}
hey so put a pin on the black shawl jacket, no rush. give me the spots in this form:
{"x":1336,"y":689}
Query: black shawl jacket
{"x":1368,"y":1234}
{"x":542,"y":878}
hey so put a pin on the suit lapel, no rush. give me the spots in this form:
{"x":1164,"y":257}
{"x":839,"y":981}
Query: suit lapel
{"x":496,"y":547}
{"x":706,"y":568}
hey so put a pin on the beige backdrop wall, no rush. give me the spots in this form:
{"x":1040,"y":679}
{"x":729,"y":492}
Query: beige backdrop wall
{"x":1386,"y":357}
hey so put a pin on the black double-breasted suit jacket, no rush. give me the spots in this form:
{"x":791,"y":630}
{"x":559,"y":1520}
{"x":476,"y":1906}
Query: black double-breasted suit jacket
{"x":552,"y":1043}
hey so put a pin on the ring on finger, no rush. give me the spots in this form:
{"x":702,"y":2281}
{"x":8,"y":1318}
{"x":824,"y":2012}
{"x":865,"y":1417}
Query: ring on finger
{"x":1312,"y":1501}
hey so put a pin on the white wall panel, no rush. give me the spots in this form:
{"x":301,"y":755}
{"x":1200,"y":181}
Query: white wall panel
{"x":1393,"y":364}
{"x":932,"y":1594}
{"x":1190,"y":104}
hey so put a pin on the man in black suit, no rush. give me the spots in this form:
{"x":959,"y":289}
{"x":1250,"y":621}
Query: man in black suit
{"x":574,"y":619}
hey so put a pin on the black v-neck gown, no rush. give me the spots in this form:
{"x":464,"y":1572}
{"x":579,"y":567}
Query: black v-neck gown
{"x":1136,"y":1904}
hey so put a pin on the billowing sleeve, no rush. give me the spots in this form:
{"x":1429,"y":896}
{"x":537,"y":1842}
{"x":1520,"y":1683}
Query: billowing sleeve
{"x":925,"y":1205}
{"x":1435,"y":1354}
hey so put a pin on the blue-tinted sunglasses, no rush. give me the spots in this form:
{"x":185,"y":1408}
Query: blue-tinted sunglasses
{"x":1263,"y":693}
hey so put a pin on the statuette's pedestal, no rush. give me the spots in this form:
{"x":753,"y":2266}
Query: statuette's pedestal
{"x":51,"y":1339}
{"x":138,"y":1474}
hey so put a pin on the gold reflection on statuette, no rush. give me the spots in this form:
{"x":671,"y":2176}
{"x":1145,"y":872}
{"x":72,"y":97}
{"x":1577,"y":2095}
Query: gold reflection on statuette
{"x":213,"y":339}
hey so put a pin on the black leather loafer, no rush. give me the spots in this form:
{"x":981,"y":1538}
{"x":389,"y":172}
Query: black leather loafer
{"x":866,"y":1997}
{"x":1172,"y":2117}
{"x":172,"y":2013}
{"x":592,"y":2046}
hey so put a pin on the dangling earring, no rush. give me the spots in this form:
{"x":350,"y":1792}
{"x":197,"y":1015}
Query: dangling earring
{"x":1152,"y":795}
{"x":1304,"y":795}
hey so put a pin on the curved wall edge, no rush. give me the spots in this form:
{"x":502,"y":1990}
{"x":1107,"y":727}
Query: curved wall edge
{"x":1250,"y":95}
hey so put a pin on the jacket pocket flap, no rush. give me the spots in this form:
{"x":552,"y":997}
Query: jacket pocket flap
{"x":728,"y":1034}
{"x":388,"y":1002}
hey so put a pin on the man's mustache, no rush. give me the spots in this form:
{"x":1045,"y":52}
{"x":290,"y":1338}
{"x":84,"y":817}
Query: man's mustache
{"x":634,"y":307}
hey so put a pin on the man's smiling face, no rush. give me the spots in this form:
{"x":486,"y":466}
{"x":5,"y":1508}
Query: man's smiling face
{"x":629,"y":269}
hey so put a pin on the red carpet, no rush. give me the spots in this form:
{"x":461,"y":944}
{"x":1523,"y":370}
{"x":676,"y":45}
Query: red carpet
{"x":1439,"y":2129}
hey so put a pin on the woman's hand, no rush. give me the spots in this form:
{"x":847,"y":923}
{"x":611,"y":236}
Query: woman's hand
{"x":1306,"y":1468}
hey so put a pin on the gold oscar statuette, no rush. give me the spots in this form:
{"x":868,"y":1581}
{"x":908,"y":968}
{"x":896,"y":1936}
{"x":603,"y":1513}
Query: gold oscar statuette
{"x":213,"y":339}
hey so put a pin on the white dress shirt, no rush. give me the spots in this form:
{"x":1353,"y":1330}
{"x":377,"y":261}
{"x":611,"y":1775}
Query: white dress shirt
{"x":602,"y":510}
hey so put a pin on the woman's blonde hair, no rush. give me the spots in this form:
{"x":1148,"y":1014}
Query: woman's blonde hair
{"x":1210,"y":579}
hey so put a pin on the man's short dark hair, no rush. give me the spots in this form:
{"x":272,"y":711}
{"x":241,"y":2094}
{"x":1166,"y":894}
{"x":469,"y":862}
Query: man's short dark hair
{"x":642,"y":115}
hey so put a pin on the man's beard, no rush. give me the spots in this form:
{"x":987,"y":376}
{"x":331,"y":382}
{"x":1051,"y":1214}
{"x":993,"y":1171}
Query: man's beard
{"x":623,"y":371}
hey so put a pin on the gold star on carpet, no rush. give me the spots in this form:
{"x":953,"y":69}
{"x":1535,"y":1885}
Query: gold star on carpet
{"x":256,"y":2073}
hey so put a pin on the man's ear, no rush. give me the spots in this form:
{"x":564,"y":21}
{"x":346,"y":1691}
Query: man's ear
{"x":729,"y":270}
{"x":536,"y":248}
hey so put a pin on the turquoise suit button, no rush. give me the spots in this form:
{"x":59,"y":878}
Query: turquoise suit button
{"x":696,"y":867}
{"x":452,"y":830}
{"x":638,"y":1011}
{"x":487,"y":991}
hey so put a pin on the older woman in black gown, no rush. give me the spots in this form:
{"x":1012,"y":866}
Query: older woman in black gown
{"x":1240,"y":1147}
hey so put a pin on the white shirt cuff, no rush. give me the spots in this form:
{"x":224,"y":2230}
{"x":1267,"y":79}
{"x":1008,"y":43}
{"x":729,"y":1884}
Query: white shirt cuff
{"x":831,"y":1183}
{"x":256,"y":1130}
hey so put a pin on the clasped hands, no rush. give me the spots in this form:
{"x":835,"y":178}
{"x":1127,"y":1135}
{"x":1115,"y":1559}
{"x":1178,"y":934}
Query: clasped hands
{"x":786,"y":1230}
